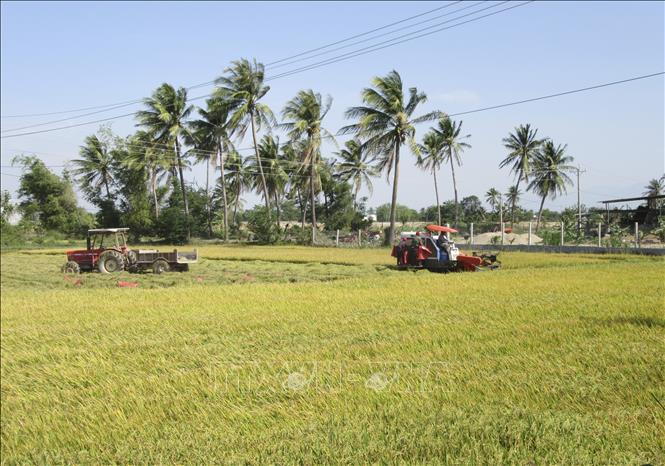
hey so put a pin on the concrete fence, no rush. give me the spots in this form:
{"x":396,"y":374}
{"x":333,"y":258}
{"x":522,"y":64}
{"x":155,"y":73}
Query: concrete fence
{"x":564,"y":249}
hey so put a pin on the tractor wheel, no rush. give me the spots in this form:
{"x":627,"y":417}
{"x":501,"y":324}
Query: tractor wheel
{"x":160,"y":266}
{"x":71,"y":267}
{"x":111,"y":261}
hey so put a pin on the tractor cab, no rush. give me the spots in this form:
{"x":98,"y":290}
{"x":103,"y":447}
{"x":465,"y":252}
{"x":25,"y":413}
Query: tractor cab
{"x":106,"y":238}
{"x":109,"y":244}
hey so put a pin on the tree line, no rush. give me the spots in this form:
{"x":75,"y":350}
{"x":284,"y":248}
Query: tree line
{"x":139,"y":180}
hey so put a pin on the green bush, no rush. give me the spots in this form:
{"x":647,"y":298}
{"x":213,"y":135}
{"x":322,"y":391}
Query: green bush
{"x":263,"y":226}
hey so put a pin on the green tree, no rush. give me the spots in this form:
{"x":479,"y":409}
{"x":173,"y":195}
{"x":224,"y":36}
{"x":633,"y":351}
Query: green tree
{"x":303,"y":116}
{"x":95,"y":168}
{"x":493,"y":198}
{"x":7,"y":208}
{"x":210,"y":135}
{"x":452,"y":148}
{"x":164,"y":118}
{"x":47,"y":199}
{"x":523,"y":145}
{"x":355,"y":167}
{"x":549,"y":173}
{"x":239,"y":179}
{"x":292,"y":155}
{"x":273,"y":169}
{"x":472,"y":209}
{"x":158,"y":161}
{"x":385,"y":123}
{"x":513,"y":196}
{"x":133,"y":192}
{"x":243,"y":85}
{"x":404,"y":213}
{"x":655,"y":187}
{"x":430,"y":158}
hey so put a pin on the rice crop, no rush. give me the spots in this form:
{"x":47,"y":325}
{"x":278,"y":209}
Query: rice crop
{"x":311,"y":355}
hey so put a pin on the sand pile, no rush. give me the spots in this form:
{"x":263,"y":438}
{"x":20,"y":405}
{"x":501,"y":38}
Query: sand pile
{"x":508,"y":238}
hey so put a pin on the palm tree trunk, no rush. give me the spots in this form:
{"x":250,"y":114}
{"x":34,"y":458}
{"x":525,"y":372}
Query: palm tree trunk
{"x":235,"y":205}
{"x":208,"y":208}
{"x":224,"y":200}
{"x":312,"y":197}
{"x":393,"y":206}
{"x":514,"y":200}
{"x":452,"y":167}
{"x":279,"y":213}
{"x":436,"y":191}
{"x":540,"y":212}
{"x":182,"y":186}
{"x":303,"y":207}
{"x":258,"y":161}
{"x":108,"y":192}
{"x":153,"y":187}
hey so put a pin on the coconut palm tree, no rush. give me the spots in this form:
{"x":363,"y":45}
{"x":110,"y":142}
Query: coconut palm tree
{"x":164,"y":118}
{"x":549,"y":173}
{"x":243,"y":85}
{"x":430,"y":158}
{"x":303,"y":116}
{"x":238,"y":179}
{"x":385,"y":123}
{"x":655,"y":187}
{"x":452,"y":148}
{"x":355,"y":167}
{"x":210,"y":135}
{"x":95,"y":167}
{"x":273,"y":169}
{"x":493,"y":198}
{"x":158,"y":161}
{"x":292,"y":154}
{"x":513,"y":196}
{"x":523,"y":146}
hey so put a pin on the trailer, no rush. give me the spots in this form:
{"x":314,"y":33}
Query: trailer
{"x":160,"y":262}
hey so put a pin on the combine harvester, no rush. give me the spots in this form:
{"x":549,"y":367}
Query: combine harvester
{"x":438,"y":254}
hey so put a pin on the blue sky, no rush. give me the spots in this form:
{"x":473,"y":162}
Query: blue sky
{"x":58,"y":56}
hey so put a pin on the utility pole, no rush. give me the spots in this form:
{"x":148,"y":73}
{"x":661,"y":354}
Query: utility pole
{"x":501,"y":216}
{"x":501,"y":209}
{"x":579,"y":205}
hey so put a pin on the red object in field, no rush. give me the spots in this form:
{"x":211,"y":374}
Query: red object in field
{"x":128,"y":284}
{"x":469,"y":263}
{"x":441,"y":229}
{"x":423,"y":253}
{"x":508,"y":230}
{"x":76,"y":282}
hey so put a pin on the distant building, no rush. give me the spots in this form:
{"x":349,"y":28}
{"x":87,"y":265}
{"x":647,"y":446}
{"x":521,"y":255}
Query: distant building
{"x":371,"y":217}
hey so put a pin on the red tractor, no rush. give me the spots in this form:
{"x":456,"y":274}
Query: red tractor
{"x":107,"y":252}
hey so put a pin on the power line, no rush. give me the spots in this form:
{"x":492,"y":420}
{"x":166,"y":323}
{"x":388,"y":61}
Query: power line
{"x":134,"y":101}
{"x":360,"y":35}
{"x":549,"y":96}
{"x":598,"y":86}
{"x":270,"y":66}
{"x":343,"y":57}
{"x":379,"y":46}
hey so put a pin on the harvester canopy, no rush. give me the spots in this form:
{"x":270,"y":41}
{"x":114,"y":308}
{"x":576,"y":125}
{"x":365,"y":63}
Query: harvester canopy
{"x":441,"y":229}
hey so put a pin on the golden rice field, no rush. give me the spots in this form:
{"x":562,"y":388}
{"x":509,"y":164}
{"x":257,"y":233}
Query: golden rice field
{"x":288,"y":355}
